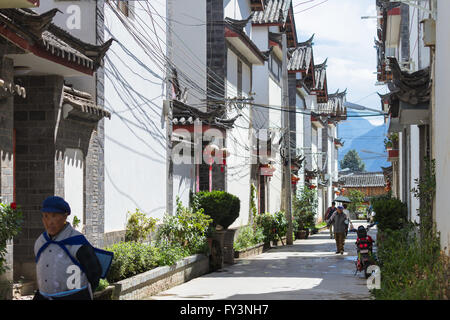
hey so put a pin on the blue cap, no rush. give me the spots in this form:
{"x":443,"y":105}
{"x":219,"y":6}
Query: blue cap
{"x":55,"y":204}
{"x":341,"y":207}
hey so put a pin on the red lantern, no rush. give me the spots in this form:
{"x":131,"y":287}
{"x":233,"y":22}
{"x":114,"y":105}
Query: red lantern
{"x":13,"y":205}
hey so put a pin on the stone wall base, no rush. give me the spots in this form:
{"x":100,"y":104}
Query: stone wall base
{"x":160,"y":279}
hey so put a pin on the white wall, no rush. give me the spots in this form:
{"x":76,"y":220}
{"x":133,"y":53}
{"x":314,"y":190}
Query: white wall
{"x":135,"y":162}
{"x":300,"y":105}
{"x":238,"y":140}
{"x":275,"y":124}
{"x":415,"y":171}
{"x":74,"y":184}
{"x":419,"y":53}
{"x":188,"y":25}
{"x":78,"y":18}
{"x":135,"y":153}
{"x":441,"y":119}
{"x":239,"y":10}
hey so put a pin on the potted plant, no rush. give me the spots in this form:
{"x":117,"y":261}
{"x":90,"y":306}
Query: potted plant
{"x":388,"y":144}
{"x":304,"y":206}
{"x":223,"y":208}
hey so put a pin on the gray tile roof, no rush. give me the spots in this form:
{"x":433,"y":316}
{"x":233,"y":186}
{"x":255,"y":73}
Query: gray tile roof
{"x":38,"y":29}
{"x":335,"y":104}
{"x":320,"y":71}
{"x":275,"y":11}
{"x":8,"y":88}
{"x":365,"y":179}
{"x":83,"y":105}
{"x":301,"y":56}
{"x":60,"y":48}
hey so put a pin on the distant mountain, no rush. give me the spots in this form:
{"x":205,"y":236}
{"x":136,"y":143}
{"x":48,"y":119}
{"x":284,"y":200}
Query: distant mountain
{"x":361,"y":135}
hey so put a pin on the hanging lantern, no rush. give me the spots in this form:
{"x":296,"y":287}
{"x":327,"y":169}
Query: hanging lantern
{"x":267,"y":170}
{"x":209,"y":152}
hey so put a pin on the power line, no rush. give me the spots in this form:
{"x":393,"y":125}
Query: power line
{"x":311,"y":7}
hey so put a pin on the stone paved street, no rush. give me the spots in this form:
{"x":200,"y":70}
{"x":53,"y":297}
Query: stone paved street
{"x":309,"y":269}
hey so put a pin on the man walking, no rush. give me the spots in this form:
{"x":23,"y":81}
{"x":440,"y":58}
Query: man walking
{"x":328,"y":215}
{"x":340,"y":221}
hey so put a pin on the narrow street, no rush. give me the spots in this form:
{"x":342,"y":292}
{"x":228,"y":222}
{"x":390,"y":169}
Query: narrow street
{"x":309,"y":269}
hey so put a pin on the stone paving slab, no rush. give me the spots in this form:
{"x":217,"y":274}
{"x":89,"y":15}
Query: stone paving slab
{"x":309,"y":269}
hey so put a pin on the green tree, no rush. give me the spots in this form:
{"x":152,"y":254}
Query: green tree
{"x":357,"y":198}
{"x":353,"y":162}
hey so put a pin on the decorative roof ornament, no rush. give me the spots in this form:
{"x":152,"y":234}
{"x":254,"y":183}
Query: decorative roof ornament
{"x":32,"y":31}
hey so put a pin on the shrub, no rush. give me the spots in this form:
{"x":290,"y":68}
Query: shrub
{"x":281,"y":223}
{"x":221,"y":206}
{"x":102,"y":285}
{"x":266,"y":222}
{"x":168,"y":253}
{"x":139,"y":226}
{"x":390,"y":213}
{"x":11,"y":218}
{"x":75,"y":222}
{"x":357,"y":198}
{"x":186,"y":228}
{"x":412,"y":268}
{"x":304,"y":207}
{"x":248,"y":236}
{"x":274,"y":226}
{"x":131,"y":258}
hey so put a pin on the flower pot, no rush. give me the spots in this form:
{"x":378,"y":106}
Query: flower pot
{"x":301,"y":234}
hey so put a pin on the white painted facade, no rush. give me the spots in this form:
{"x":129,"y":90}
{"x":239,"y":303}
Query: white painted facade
{"x":268,"y":91}
{"x":441,"y":116}
{"x":74,"y":184}
{"x":135,"y":158}
{"x":134,"y":149}
{"x":300,"y":136}
{"x":238,"y":139}
{"x":275,"y":183}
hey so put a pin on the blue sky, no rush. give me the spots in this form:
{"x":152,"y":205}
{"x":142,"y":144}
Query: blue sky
{"x":348,"y":42}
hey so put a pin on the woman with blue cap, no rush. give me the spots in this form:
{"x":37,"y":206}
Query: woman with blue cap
{"x":66,"y":264}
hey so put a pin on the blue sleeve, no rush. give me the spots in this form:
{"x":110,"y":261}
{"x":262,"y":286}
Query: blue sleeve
{"x":88,"y":259}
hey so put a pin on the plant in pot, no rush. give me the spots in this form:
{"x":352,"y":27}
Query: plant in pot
{"x":304,"y":205}
{"x":388,"y":144}
{"x":266,"y":222}
{"x":223,"y":208}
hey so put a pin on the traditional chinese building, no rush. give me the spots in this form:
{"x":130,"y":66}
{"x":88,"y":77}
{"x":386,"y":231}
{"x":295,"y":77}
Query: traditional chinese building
{"x":50,"y":140}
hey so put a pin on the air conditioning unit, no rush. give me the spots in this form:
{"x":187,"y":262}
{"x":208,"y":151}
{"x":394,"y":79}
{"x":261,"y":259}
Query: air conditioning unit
{"x":429,"y":32}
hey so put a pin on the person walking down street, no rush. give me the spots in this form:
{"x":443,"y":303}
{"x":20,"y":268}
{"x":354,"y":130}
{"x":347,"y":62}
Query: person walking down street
{"x":340,"y":221}
{"x":65,"y":269}
{"x":347,"y":213}
{"x":328,"y":215}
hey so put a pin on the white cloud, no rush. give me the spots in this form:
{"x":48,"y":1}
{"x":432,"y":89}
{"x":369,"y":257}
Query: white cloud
{"x":348,"y":42}
{"x":376,"y":121}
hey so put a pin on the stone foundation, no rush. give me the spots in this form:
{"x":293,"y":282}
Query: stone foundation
{"x":160,"y":279}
